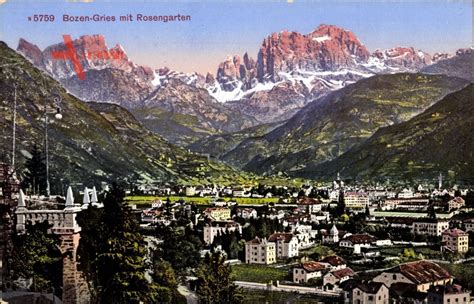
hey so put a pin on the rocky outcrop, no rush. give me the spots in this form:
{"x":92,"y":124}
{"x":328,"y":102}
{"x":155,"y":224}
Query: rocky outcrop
{"x":403,"y":58}
{"x":31,"y":51}
{"x":109,"y":75}
{"x":236,"y":73}
{"x":326,"y":48}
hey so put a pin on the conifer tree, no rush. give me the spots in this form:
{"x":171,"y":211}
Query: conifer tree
{"x":35,"y":173}
{"x":215,"y":284}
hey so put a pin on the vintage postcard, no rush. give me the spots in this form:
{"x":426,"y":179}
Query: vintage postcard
{"x":278,"y":151}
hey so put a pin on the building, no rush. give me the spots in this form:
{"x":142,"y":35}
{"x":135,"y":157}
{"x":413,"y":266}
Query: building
{"x":338,"y":276}
{"x":247,"y":213}
{"x":356,"y":200}
{"x":190,"y":191}
{"x":357,"y":242}
{"x":240,"y":192}
{"x":468,"y":225}
{"x":217,"y":213}
{"x":406,"y":204}
{"x":333,"y":262}
{"x":332,"y":237}
{"x":307,"y":271}
{"x":286,"y":244}
{"x":405,"y":193}
{"x":448,"y":294}
{"x":422,"y":274}
{"x":455,"y":240}
{"x":429,"y":227}
{"x":320,"y":217}
{"x":309,"y":205}
{"x":216,"y":228}
{"x":357,"y":292}
{"x":260,"y":251}
{"x":407,"y":293}
{"x":456,"y":203}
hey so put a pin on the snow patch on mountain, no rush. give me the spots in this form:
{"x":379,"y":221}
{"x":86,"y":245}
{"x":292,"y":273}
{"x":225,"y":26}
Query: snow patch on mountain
{"x":322,"y":38}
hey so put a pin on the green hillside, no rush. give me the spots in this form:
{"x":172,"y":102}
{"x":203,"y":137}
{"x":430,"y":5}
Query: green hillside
{"x":93,"y":142}
{"x":440,"y":140}
{"x":330,"y":126}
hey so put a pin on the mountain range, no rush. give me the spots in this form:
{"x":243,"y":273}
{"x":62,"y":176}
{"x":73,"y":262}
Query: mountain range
{"x":331,"y":125}
{"x":93,"y":142}
{"x":305,"y":100}
{"x":439,"y":140}
{"x":291,"y":70}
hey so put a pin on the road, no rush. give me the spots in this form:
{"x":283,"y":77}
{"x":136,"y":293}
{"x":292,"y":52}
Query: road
{"x":288,"y":288}
{"x":191,"y":297}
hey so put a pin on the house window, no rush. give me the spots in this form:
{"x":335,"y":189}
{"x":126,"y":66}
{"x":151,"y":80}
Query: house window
{"x":394,"y":276}
{"x":371,"y":298}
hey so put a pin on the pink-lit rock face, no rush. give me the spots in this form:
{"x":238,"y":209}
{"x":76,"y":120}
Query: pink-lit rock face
{"x":326,"y":48}
{"x":31,"y":51}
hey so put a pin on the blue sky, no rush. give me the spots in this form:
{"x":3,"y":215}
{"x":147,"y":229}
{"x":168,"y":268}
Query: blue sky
{"x":219,"y":28}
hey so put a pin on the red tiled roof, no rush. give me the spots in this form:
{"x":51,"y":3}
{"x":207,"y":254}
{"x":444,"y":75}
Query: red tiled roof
{"x":255,"y":241}
{"x":344,"y":272}
{"x":308,"y":201}
{"x":333,"y":260}
{"x":421,"y":272}
{"x":360,"y":238}
{"x":455,"y":232}
{"x":311,"y":266}
{"x":458,"y":200}
{"x":286,"y":237}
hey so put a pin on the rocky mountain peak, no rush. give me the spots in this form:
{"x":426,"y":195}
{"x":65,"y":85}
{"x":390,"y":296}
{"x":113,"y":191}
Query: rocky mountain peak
{"x":326,"y":48}
{"x":31,"y":51}
{"x":405,"y":58}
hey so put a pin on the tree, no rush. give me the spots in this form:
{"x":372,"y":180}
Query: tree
{"x":431,"y":211}
{"x":409,"y":254}
{"x":180,"y":248}
{"x":341,"y":204}
{"x":164,"y":274}
{"x":35,"y":174}
{"x":116,"y":260}
{"x":214,"y":281}
{"x":36,"y":255}
{"x":367,"y":211}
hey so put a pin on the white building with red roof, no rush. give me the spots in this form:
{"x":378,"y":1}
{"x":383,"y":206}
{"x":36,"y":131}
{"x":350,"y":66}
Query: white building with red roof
{"x":455,"y":240}
{"x":286,"y":244}
{"x":306,"y":271}
{"x":421,"y":274}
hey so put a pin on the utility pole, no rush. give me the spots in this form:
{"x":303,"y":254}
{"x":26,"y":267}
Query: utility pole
{"x":46,"y":152}
{"x":57,"y":102}
{"x":14,"y":128}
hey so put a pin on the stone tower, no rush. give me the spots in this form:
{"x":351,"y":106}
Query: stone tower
{"x":75,"y":290}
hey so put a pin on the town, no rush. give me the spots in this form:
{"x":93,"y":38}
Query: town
{"x":330,"y":243}
{"x":363,"y":244}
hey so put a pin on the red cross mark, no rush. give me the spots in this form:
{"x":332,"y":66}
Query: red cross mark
{"x":70,"y":54}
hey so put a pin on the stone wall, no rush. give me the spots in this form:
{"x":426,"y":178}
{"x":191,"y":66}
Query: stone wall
{"x":75,"y":289}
